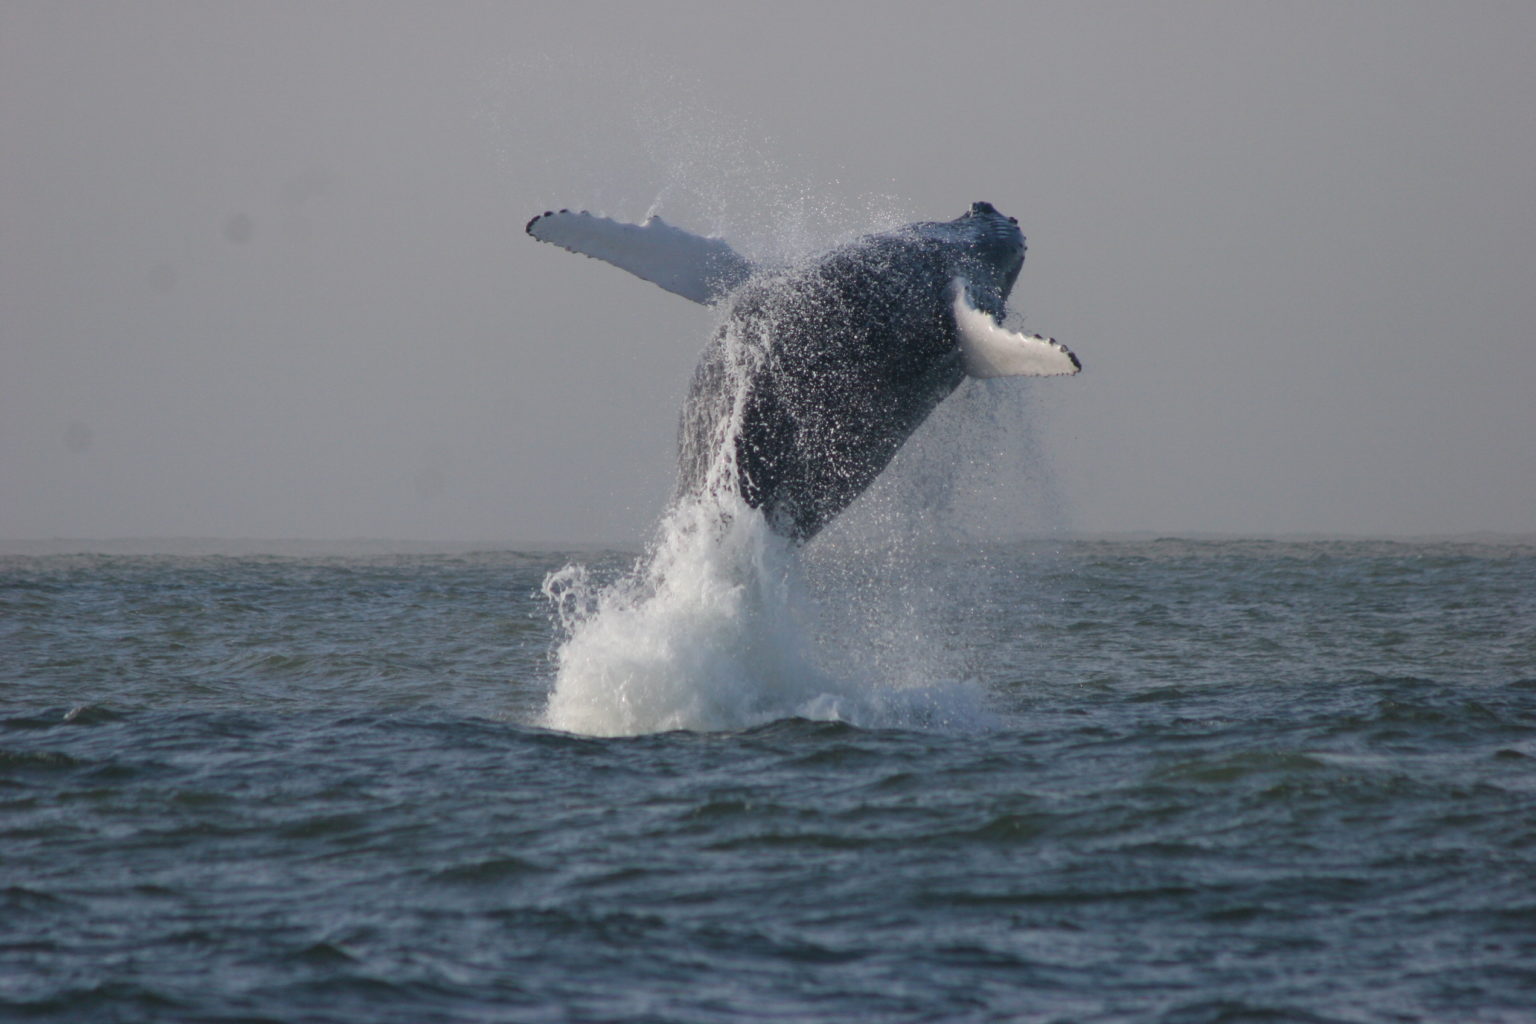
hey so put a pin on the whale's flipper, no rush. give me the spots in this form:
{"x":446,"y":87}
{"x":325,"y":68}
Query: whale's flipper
{"x":991,"y":350}
{"x":702,"y":269}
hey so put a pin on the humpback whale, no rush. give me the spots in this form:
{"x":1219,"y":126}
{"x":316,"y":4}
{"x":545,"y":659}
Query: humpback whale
{"x":825,"y":366}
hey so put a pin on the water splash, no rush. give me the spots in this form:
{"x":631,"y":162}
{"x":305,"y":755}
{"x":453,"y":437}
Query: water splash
{"x":718,"y":628}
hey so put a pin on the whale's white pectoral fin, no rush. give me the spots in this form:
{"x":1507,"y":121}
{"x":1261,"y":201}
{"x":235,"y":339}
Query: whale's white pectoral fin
{"x":992,"y":350}
{"x":695,"y":267}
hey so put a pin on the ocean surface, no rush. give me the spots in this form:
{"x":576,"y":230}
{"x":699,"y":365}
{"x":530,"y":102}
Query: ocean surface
{"x":1078,"y":781}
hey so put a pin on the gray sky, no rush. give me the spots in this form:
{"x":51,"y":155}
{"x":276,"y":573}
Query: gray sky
{"x":263,"y":270}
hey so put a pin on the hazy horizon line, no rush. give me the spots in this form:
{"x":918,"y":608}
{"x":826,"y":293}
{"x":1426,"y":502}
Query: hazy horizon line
{"x":299,"y":546}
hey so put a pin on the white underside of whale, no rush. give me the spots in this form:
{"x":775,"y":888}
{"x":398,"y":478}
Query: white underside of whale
{"x":992,"y":350}
{"x":698,"y":268}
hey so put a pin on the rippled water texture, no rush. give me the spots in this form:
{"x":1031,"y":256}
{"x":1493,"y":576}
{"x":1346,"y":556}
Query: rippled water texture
{"x":1160,"y":781}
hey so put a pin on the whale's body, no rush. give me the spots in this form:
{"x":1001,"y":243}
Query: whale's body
{"x":824,"y":368}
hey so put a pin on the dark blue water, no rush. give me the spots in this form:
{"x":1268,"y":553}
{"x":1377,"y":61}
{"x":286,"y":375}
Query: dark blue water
{"x":1157,"y":781}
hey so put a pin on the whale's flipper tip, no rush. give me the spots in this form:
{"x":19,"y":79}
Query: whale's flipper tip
{"x":698,"y":268}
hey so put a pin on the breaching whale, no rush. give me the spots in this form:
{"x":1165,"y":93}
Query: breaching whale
{"x":825,"y":366}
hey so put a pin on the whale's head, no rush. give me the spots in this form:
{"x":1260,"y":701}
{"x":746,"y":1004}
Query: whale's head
{"x":995,"y":239}
{"x":988,"y":245}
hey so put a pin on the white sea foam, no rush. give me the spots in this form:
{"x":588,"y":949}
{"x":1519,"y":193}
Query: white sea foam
{"x":718,"y":628}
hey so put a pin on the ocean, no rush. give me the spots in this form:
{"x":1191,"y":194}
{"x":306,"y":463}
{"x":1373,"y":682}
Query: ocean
{"x":1063,"y":780}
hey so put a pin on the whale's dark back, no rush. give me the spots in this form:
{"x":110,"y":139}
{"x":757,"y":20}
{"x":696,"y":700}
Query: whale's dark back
{"x":840,"y":361}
